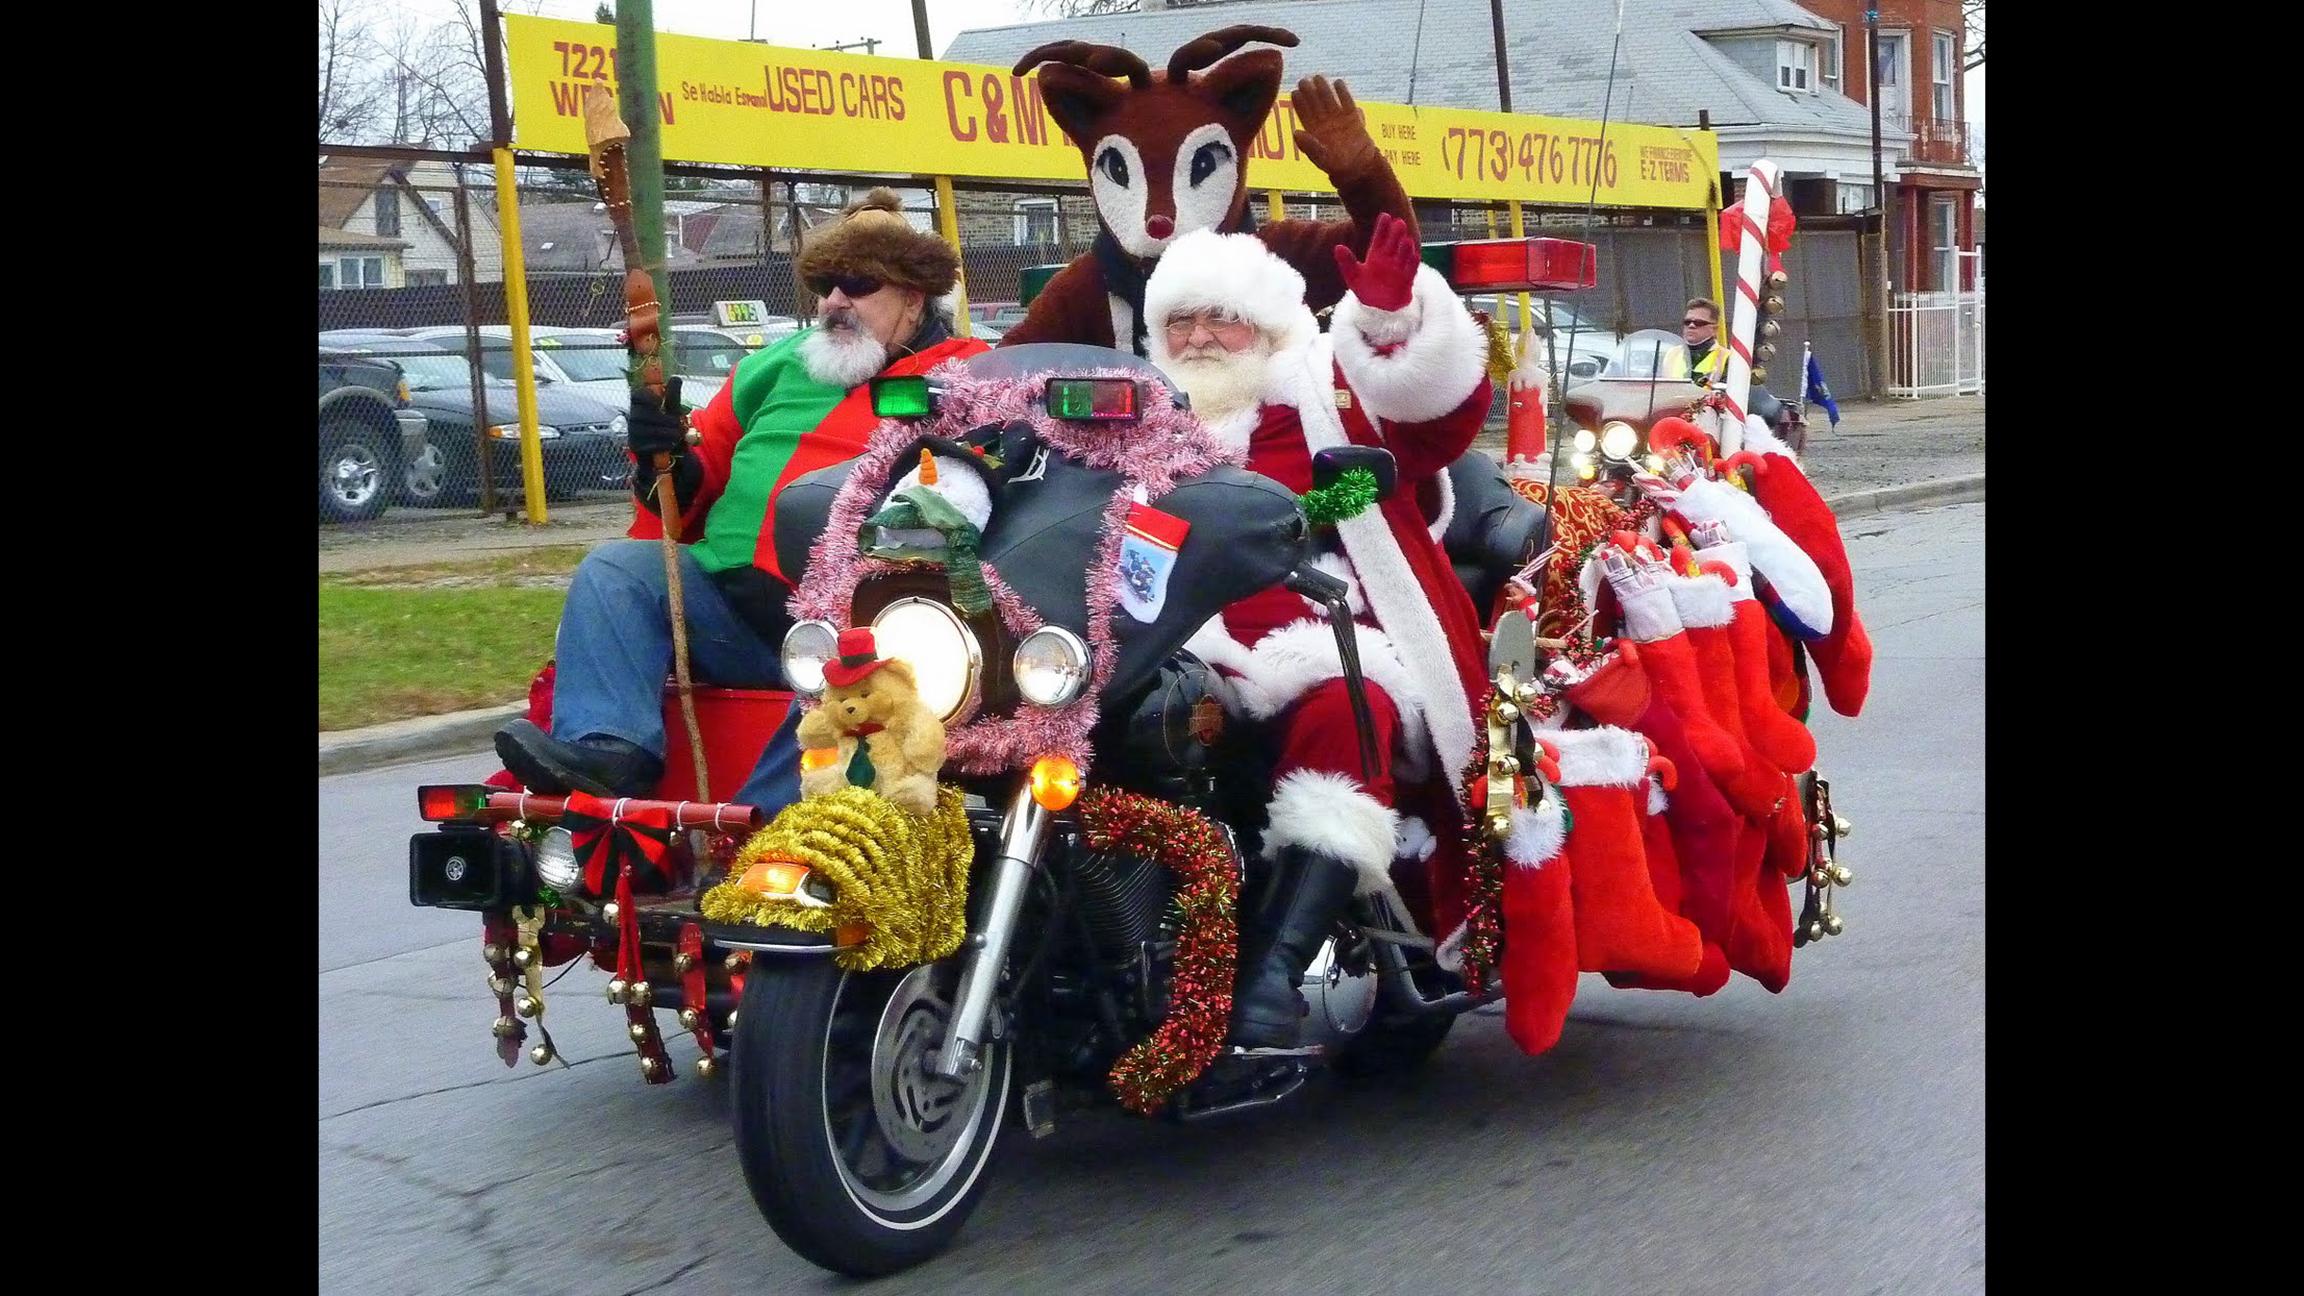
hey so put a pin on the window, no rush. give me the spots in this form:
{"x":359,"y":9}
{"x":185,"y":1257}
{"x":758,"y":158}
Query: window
{"x":388,"y":212}
{"x":1944,"y":65}
{"x":1944,"y":226}
{"x":1894,"y":54}
{"x":360,"y":272}
{"x":1854,"y":198}
{"x":1035,"y":221}
{"x":1796,"y":67}
{"x":417,"y":278}
{"x":327,"y":276}
{"x":1832,"y":61}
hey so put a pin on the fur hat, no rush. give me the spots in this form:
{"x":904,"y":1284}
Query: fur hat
{"x":872,"y":238}
{"x":1235,"y":272}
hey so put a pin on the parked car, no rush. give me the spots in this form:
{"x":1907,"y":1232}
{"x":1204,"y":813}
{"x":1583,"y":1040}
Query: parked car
{"x":702,"y":357}
{"x":583,"y":440}
{"x":368,"y":434}
{"x":551,"y":366}
{"x":1588,"y":354}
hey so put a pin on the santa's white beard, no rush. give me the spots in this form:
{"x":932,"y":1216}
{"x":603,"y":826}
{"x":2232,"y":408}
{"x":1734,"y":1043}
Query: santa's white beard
{"x":1222,"y":383}
{"x":842,"y":357}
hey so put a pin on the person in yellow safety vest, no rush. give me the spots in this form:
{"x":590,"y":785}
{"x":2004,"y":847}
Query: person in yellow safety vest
{"x":1700,"y":329}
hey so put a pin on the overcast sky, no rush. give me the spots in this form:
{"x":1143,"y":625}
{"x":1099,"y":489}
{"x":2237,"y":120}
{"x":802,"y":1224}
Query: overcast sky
{"x":821,"y":23}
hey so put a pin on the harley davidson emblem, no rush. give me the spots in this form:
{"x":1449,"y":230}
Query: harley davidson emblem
{"x":1207,"y":721}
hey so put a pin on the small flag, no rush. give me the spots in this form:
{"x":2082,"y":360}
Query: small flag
{"x":1819,"y":393}
{"x":1147,"y":555}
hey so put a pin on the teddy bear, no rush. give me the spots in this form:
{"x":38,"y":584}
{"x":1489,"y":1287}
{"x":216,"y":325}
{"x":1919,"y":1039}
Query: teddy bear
{"x":880,"y":734}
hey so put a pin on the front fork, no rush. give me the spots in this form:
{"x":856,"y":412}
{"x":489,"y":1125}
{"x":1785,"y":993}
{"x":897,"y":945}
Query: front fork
{"x":1023,"y":833}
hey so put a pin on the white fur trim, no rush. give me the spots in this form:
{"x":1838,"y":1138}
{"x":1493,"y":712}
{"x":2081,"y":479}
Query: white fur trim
{"x":1413,"y":840}
{"x":1738,"y":559}
{"x":1234,"y":430}
{"x":1395,"y":598}
{"x":1656,"y":801}
{"x":1648,"y":611}
{"x":960,"y":483}
{"x":1759,"y":439}
{"x":1788,"y":569}
{"x":1123,"y":322}
{"x":1602,"y":757}
{"x":1537,"y":835}
{"x":1287,"y":663}
{"x":1236,"y":272}
{"x":1701,"y":601}
{"x":1442,"y":357}
{"x":1447,"y":488}
{"x":1337,"y":566}
{"x":1334,"y":816}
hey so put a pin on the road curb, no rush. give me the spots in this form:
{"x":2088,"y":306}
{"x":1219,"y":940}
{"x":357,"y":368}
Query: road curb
{"x":461,"y":733}
{"x":1943,"y":490}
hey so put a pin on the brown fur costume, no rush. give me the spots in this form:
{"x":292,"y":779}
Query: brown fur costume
{"x":1157,"y":147}
{"x":873,"y":238}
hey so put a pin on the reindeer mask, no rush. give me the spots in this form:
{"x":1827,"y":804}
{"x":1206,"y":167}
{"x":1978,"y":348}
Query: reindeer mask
{"x":1166,"y":154}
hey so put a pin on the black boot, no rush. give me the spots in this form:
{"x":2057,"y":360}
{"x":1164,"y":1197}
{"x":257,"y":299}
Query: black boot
{"x":596,"y":763}
{"x":1308,"y":894}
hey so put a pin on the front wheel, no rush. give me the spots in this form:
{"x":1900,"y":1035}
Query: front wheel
{"x":862,"y":1159}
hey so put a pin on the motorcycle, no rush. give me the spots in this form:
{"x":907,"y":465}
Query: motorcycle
{"x":867,"y":1103}
{"x":1649,"y":379}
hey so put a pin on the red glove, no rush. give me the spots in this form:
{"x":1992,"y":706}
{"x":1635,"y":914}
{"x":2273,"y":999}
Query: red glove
{"x":1386,"y":279}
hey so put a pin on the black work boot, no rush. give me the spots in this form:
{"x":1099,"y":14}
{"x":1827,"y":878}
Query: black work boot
{"x":1310,"y":891}
{"x":596,"y":763}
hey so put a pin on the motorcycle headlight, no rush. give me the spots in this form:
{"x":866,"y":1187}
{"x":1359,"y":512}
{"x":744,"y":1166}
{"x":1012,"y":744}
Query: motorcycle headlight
{"x":1586,"y":466}
{"x":1051,"y":666}
{"x":1585,"y":440}
{"x":556,"y":862}
{"x":946,"y":660}
{"x":807,"y":646}
{"x":1618,"y":441}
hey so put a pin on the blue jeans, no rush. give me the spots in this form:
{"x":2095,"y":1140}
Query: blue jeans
{"x":615,"y":649}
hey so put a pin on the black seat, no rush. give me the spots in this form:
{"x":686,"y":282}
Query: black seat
{"x":1493,"y":531}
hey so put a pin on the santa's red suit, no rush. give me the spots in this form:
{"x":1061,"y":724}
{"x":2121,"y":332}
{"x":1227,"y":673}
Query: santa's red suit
{"x":1413,"y":381}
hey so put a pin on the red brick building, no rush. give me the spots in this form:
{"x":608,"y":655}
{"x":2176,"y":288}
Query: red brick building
{"x":1922,"y":47}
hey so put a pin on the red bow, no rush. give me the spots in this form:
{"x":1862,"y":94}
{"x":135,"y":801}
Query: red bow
{"x":1780,"y":226}
{"x":605,"y":840}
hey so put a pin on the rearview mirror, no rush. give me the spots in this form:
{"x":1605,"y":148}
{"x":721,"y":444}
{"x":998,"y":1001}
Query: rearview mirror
{"x":1330,"y":464}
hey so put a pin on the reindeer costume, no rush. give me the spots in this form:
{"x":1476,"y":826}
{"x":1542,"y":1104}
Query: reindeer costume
{"x":1167,"y":154}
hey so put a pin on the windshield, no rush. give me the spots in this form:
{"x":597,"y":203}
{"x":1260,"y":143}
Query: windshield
{"x":435,"y":372}
{"x":705,"y":355}
{"x":585,"y":358}
{"x":1651,"y":353}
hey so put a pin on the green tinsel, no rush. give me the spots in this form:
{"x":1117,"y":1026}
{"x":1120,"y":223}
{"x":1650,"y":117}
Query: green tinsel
{"x":1347,"y":497}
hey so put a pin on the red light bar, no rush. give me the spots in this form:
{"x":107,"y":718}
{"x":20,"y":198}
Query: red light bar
{"x":1524,"y":265}
{"x":451,"y":802}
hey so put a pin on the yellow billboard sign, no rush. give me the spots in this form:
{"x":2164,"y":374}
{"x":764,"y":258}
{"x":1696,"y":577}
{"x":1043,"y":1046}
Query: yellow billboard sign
{"x":741,"y":104}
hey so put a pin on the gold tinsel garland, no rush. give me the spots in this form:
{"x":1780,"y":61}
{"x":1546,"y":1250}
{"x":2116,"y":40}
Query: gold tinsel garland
{"x":902,"y":876}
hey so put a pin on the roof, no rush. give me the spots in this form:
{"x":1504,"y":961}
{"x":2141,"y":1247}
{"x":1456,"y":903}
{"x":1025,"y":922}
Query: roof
{"x":345,"y":185}
{"x":339,"y":238}
{"x":1558,"y":51}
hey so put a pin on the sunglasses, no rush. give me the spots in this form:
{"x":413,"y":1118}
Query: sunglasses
{"x":1696,"y":323}
{"x":855,"y":286}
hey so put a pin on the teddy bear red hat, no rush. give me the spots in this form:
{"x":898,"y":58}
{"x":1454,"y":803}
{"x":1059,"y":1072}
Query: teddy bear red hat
{"x":859,"y":657}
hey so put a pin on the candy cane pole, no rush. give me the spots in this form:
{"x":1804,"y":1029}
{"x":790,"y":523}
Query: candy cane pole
{"x":1744,"y":318}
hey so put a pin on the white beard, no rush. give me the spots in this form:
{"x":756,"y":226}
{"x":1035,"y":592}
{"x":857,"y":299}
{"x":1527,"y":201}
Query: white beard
{"x":1223,"y":385}
{"x":839,"y":358}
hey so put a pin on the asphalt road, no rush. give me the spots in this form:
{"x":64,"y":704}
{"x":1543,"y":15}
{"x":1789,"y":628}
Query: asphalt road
{"x":1828,"y":1139}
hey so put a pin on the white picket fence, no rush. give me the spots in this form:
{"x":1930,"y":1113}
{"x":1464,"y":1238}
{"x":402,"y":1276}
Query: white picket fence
{"x":1936,"y":344}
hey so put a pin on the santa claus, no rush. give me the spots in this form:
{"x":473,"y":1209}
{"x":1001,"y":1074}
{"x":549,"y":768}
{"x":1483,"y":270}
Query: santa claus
{"x":1404,"y":368}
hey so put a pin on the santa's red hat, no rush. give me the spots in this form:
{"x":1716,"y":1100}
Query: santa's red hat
{"x":859,"y":657}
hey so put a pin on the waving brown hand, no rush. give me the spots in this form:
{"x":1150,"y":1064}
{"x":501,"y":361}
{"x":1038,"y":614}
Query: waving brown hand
{"x":1331,"y":131}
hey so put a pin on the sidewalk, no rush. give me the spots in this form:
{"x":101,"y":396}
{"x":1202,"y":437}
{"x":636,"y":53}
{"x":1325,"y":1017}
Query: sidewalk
{"x":1892,"y":443}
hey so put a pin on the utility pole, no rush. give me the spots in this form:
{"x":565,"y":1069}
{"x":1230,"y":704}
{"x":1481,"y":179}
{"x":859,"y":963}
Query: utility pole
{"x":1882,"y":343}
{"x":869,"y":44}
{"x":1503,"y":70}
{"x":920,"y":28}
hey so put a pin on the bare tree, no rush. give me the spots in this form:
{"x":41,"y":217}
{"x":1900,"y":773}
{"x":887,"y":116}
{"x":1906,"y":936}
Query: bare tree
{"x":1972,"y":17}
{"x":1076,"y":8}
{"x":351,"y":99}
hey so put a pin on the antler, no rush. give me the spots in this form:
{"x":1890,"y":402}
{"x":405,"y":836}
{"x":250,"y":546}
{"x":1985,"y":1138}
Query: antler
{"x":1195,"y":54}
{"x":1110,"y":60}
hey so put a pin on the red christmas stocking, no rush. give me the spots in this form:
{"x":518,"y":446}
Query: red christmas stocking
{"x":1620,"y":926}
{"x":1539,"y":961}
{"x":1844,"y":656}
{"x":1759,"y":941}
{"x":1702,"y":602}
{"x":1784,"y":741}
{"x":1664,"y":868}
{"x":1649,"y":617}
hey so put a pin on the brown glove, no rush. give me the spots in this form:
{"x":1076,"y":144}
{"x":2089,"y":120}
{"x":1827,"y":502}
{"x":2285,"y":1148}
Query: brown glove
{"x":1331,"y":131}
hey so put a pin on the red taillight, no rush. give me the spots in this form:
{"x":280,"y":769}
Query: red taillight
{"x":1092,"y":398}
{"x":1524,"y":265}
{"x":449,"y":802}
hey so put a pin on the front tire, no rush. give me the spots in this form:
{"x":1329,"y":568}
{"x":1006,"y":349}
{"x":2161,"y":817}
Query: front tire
{"x":861,"y":1160}
{"x":357,"y":464}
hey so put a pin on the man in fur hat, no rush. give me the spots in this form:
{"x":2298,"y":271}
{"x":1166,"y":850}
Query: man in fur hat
{"x":787,"y":410}
{"x":1404,"y":367}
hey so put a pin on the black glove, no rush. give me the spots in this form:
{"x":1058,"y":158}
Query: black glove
{"x":653,"y":429}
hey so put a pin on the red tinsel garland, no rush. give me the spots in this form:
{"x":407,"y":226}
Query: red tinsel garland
{"x":1484,"y":865}
{"x":1191,"y":846}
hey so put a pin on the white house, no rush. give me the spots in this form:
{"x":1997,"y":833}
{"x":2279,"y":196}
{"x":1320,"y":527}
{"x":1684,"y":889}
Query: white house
{"x":397,"y":220}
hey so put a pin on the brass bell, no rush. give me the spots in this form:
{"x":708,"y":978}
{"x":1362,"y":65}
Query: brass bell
{"x":505,"y":1028}
{"x":689,"y":1017}
{"x":637,"y":1031}
{"x":639,"y":994}
{"x":1777,"y":279}
{"x":1816,"y":931}
{"x":611,"y":911}
{"x":617,"y":989}
{"x":522,"y":957}
{"x":1504,"y":766}
{"x":1499,"y":826}
{"x":1842,"y":828}
{"x":648,"y":1066}
{"x":1842,"y":875}
{"x":1759,"y":374}
{"x":528,"y":1006}
{"x":705,"y":1067}
{"x":1506,"y":713}
{"x":1767,"y":351}
{"x":683,"y":962}
{"x":541,"y":1054}
{"x":1833,"y":925}
{"x":693,"y":437}
{"x":1774,"y":305}
{"x":1820,"y":876}
{"x":1771,"y":329}
{"x":1821,"y":831}
{"x":734,"y":962}
{"x":1527,"y":694}
{"x":499,"y":985}
{"x":493,"y":953}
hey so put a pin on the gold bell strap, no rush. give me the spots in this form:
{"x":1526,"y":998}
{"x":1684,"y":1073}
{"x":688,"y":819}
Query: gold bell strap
{"x":500,"y":947}
{"x":695,"y":991}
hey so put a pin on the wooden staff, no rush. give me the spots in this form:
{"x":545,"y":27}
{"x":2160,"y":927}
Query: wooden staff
{"x":609,"y":138}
